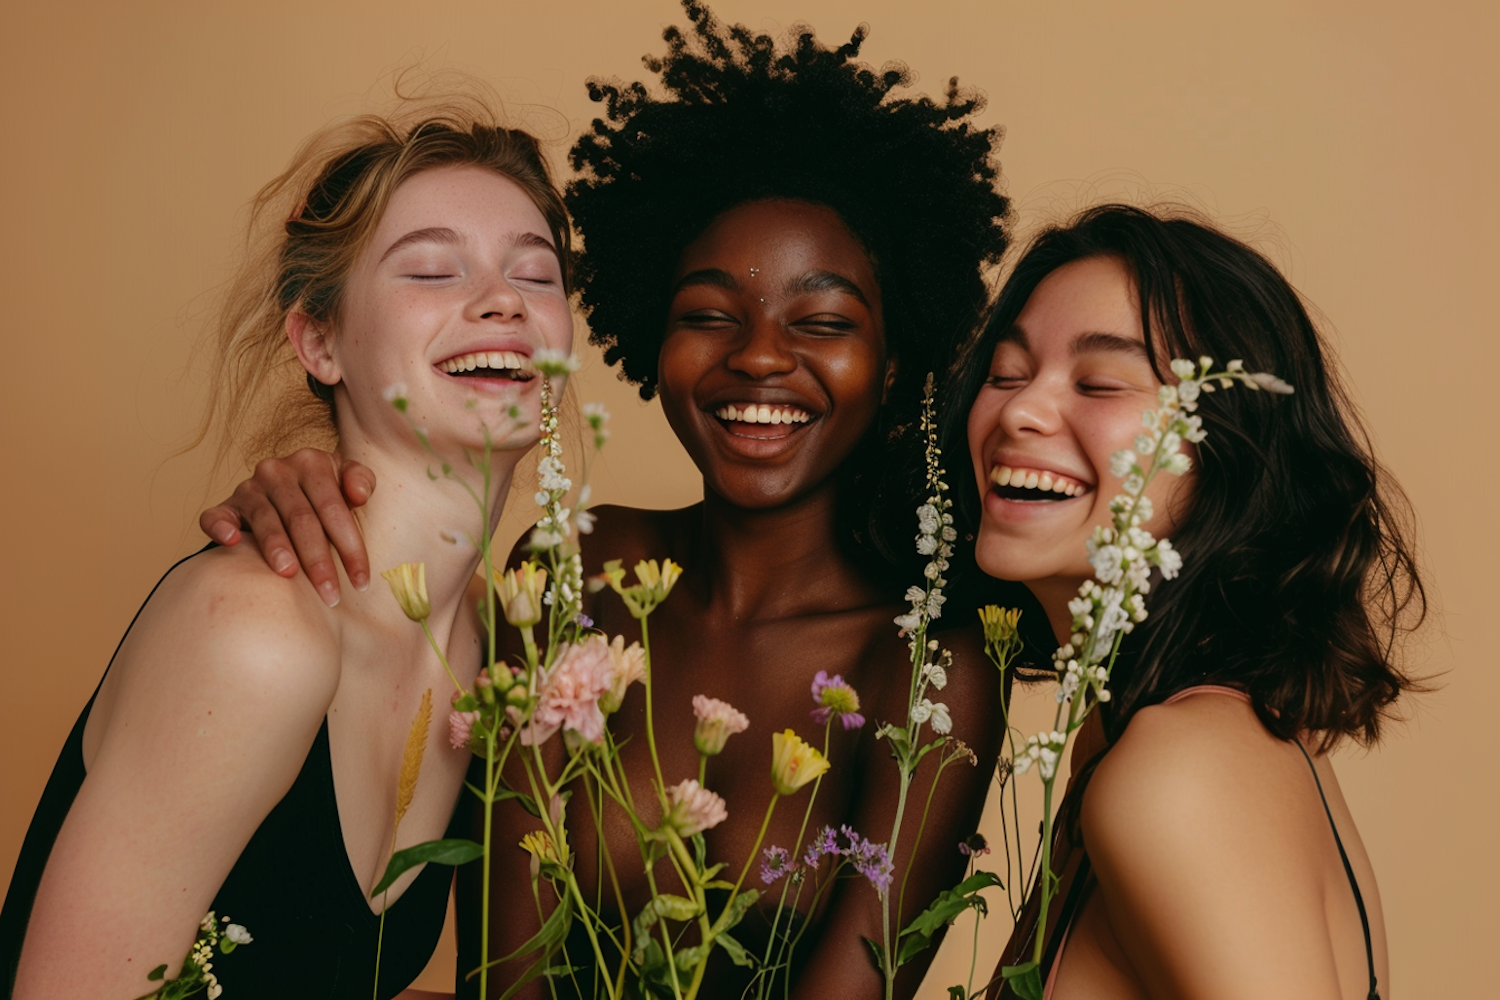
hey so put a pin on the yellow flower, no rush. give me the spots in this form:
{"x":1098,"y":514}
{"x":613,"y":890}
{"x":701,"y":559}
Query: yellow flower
{"x":794,"y":762}
{"x":520,"y":592}
{"x":543,"y":852}
{"x":409,"y":583}
{"x":999,"y":623}
{"x":654,"y":584}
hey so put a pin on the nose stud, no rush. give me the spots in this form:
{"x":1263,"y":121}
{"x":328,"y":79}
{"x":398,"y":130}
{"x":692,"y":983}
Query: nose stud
{"x":754,"y":271}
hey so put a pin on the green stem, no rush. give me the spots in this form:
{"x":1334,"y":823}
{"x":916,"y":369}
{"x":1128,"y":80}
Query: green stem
{"x":943,"y":762}
{"x":1046,"y":872}
{"x":888,"y":967}
{"x":797,"y":853}
{"x":441,"y":658}
{"x":754,"y":850}
{"x":661,"y":785}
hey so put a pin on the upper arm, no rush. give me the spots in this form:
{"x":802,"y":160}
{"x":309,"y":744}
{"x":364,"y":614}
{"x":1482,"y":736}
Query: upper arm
{"x":217,"y":694}
{"x":1192,"y":822}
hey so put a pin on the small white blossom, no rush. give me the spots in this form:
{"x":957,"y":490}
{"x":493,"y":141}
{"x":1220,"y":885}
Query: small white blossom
{"x":238,"y":934}
{"x":942,"y":722}
{"x":550,"y":361}
{"x":1269,"y":382}
{"x":936,"y":675}
{"x":1183,"y":368}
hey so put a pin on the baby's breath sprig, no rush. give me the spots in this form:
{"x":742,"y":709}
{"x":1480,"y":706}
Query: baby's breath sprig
{"x":197,"y":972}
{"x":1109,"y":606}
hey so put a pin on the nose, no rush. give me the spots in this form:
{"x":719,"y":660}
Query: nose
{"x":763,"y":350}
{"x":497,"y":299}
{"x":1031,"y":409}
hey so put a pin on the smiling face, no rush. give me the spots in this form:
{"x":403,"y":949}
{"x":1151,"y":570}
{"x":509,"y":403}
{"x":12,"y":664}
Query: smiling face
{"x":457,"y":288}
{"x":1066,"y":389}
{"x":774,"y":362}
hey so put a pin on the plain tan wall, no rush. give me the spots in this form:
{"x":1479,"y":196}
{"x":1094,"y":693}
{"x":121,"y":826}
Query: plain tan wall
{"x":1353,"y":142}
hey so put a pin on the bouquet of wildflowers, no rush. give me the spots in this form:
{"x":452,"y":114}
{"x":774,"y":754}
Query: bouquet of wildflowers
{"x":567,"y":682}
{"x":1125,"y":556}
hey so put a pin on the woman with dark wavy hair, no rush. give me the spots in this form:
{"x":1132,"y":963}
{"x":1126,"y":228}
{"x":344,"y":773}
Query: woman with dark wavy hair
{"x":1207,"y":851}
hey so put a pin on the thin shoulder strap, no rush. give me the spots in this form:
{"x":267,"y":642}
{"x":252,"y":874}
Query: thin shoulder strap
{"x":1359,"y":900}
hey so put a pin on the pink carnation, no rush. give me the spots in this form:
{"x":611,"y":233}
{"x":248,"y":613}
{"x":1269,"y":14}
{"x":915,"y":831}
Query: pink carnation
{"x":717,"y":721}
{"x":691,"y":808}
{"x":460,"y":728}
{"x":568,"y":694}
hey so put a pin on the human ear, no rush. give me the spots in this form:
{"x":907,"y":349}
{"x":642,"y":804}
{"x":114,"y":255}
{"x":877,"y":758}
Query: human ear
{"x":310,"y":339}
{"x":890,"y":381}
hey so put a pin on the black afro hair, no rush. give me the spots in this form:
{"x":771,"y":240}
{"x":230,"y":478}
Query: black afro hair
{"x":743,"y":118}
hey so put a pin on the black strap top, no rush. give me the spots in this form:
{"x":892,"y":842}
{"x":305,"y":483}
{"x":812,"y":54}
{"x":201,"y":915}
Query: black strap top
{"x":292,"y":887}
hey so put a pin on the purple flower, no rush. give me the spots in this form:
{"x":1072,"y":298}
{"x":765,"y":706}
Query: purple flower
{"x":873,"y":861}
{"x":825,"y":844}
{"x":778,"y":862}
{"x":835,"y":700}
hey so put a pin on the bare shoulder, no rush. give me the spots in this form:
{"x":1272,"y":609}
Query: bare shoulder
{"x":632,"y":533}
{"x":1204,"y":763}
{"x":222,"y":622}
{"x":1199,"y":820}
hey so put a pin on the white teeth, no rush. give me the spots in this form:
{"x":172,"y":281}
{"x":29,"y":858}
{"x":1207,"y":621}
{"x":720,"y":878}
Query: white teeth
{"x":753,"y":413}
{"x":1034,"y":479}
{"x":498,"y":360}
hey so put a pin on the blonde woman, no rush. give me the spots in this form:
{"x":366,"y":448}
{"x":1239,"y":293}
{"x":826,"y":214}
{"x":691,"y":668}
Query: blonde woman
{"x":242,"y":752}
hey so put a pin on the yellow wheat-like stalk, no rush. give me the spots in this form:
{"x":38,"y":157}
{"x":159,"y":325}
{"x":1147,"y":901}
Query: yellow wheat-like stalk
{"x":411,"y":758}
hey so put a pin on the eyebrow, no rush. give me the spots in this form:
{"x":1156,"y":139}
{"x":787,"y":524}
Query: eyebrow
{"x":714,"y":277}
{"x":824,"y":281}
{"x":812,"y":281}
{"x":430,"y":235}
{"x":1094,"y":342}
{"x":449,"y":237}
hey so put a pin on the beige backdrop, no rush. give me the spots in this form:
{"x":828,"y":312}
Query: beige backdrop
{"x":1354,"y":141}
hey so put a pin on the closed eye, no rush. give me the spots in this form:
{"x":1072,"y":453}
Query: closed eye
{"x":827,"y":325}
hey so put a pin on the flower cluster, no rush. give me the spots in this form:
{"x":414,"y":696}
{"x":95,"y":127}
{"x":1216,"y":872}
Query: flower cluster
{"x":572,"y":695}
{"x":197,"y":969}
{"x":835,"y":700}
{"x":935,"y":531}
{"x":776,"y":862}
{"x":870,"y":859}
{"x":653,"y":584}
{"x":1044,"y":750}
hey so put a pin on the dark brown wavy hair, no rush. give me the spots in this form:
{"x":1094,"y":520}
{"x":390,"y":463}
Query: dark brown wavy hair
{"x":1299,"y":574}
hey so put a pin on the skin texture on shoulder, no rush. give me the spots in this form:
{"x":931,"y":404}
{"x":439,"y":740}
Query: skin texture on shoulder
{"x":202,"y":725}
{"x":1212,"y":851}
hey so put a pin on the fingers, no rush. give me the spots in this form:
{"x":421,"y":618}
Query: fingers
{"x":306,"y":490}
{"x":221,"y":523}
{"x":359,"y":483}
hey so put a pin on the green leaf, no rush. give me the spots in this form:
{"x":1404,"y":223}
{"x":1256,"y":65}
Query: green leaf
{"x":678,"y":908}
{"x":718,"y":883}
{"x":226,"y":946}
{"x":877,"y":953}
{"x":441,"y":852}
{"x":919,"y":934}
{"x":1025,"y":980}
{"x":957,"y":993}
{"x":157,"y":974}
{"x":734,"y":910}
{"x":737,"y":953}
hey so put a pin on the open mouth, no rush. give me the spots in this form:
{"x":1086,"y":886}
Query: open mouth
{"x":1034,"y":485}
{"x":506,"y":365}
{"x":762,"y":420}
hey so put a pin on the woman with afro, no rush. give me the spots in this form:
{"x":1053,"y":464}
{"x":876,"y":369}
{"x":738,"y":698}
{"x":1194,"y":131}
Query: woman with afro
{"x":780,"y":242}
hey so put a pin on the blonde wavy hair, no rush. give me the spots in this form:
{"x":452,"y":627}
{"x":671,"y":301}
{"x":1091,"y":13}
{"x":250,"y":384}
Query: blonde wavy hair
{"x":307,"y":228}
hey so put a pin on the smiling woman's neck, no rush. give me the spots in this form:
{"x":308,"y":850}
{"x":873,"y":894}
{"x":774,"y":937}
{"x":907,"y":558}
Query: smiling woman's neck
{"x":760,"y":558}
{"x":413,"y":518}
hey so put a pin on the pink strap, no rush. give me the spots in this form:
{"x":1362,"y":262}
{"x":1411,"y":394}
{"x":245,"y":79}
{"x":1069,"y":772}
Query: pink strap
{"x":1207,"y":689}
